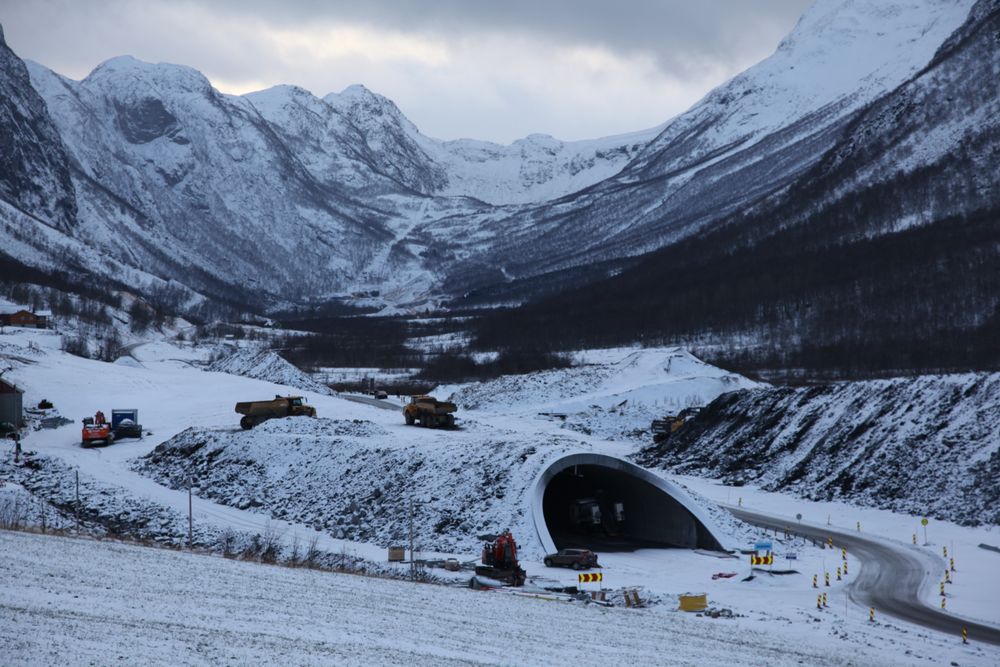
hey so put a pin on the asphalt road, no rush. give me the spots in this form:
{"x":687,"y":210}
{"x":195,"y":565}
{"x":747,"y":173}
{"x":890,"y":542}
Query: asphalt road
{"x":890,"y":577}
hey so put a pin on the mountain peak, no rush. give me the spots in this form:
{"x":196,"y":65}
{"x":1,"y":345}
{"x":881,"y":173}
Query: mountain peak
{"x":121,"y":69}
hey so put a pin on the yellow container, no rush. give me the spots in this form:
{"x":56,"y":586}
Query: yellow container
{"x":692,"y":602}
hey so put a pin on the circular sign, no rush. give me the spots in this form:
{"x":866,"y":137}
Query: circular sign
{"x":799,"y":516}
{"x":923,"y":521}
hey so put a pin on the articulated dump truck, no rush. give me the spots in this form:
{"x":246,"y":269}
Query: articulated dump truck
{"x":256,"y":412}
{"x":429,"y":412}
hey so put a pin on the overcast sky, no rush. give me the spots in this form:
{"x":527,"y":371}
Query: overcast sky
{"x":494,"y":69}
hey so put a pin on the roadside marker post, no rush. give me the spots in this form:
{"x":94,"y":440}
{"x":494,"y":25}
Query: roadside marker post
{"x":838,"y":574}
{"x":942,"y":603}
{"x":944,"y":550}
{"x":942,"y":589}
{"x":819,"y":601}
{"x":845,"y":568}
{"x":843,"y":553}
{"x":914,"y":538}
{"x":824,"y":600}
{"x":826,"y":578}
{"x":859,"y":526}
{"x":952,"y":563}
{"x":947,"y":576}
{"x":829,"y":541}
{"x":965,"y":635}
{"x":814,"y":582}
{"x":871,"y":614}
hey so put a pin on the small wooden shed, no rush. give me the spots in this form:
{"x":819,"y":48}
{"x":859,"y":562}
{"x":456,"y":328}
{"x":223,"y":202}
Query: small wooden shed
{"x":11,"y":404}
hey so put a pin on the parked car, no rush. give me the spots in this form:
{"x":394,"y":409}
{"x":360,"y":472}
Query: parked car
{"x":578,"y":559}
{"x":381,"y":394}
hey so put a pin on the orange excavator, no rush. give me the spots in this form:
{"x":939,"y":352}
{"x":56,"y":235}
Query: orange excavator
{"x":500,"y":560}
{"x":96,"y":429}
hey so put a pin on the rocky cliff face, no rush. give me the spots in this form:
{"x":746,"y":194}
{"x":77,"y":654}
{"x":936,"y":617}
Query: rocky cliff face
{"x":34,"y":172}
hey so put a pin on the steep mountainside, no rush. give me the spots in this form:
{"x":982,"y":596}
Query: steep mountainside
{"x":748,"y":139}
{"x":33,"y":168}
{"x":928,"y":445}
{"x":882,"y":255}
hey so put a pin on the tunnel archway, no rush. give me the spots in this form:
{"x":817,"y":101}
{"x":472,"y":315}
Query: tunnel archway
{"x":607,"y":504}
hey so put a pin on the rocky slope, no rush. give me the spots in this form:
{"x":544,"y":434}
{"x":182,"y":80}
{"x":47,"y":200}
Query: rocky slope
{"x":927,"y":446}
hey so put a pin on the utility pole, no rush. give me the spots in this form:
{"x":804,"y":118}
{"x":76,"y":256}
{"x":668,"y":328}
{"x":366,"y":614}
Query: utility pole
{"x":77,"y":502}
{"x":413,"y":562}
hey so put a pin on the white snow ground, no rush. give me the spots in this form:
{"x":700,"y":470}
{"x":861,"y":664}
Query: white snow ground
{"x":172,"y":395}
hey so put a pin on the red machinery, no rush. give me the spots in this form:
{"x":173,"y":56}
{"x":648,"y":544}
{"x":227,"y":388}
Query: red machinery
{"x":500,"y":560}
{"x":96,"y":429}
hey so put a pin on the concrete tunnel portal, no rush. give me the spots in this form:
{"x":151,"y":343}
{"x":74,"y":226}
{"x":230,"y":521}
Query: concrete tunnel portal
{"x":607,"y":504}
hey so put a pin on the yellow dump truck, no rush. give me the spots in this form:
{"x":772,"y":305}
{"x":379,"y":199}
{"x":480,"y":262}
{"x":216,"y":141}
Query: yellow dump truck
{"x":256,"y":412}
{"x":429,"y":412}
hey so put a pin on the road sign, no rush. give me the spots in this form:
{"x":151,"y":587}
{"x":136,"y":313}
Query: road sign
{"x":799,"y":516}
{"x":590,"y":577}
{"x":924,"y":522}
{"x":762,"y":560}
{"x":763,"y":545}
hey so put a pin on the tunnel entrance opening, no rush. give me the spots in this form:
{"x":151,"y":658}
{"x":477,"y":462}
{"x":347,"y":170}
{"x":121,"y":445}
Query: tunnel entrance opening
{"x":604,"y":509}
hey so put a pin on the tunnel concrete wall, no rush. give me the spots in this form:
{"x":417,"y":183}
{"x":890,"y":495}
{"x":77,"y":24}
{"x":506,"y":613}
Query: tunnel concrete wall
{"x":678,"y":525}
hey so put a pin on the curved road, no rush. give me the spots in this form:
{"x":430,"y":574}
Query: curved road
{"x":890,"y":579}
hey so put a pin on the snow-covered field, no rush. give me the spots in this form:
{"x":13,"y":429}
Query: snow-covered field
{"x":76,"y":601}
{"x":309,"y":616}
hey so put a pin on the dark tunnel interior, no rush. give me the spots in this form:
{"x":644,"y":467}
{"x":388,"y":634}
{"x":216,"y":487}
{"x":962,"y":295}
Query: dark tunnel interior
{"x":603,"y":509}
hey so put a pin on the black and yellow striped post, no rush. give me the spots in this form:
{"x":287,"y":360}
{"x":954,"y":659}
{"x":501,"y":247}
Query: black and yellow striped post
{"x":845,"y":568}
{"x":824,"y":600}
{"x":843,"y":553}
{"x":871,"y":614}
{"x":942,"y":589}
{"x":859,"y":526}
{"x":826,"y":578}
{"x":914,"y":538}
{"x":829,"y":542}
{"x":838,"y":574}
{"x":947,"y":576}
{"x":965,"y":635}
{"x":951,"y":562}
{"x":942,"y":603}
{"x":944,"y":550}
{"x":814,"y":582}
{"x":819,"y":601}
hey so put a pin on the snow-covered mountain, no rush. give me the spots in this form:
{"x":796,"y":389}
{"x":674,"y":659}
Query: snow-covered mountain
{"x":745,"y":141}
{"x":280,"y":196}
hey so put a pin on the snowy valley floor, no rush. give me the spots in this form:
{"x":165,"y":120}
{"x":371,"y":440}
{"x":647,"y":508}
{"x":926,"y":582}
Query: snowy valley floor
{"x":76,"y":601}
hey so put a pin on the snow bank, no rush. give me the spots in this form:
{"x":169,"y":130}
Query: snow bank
{"x":269,"y":366}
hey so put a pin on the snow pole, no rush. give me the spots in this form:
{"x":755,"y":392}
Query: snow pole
{"x":77,"y":507}
{"x":190,"y":517}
